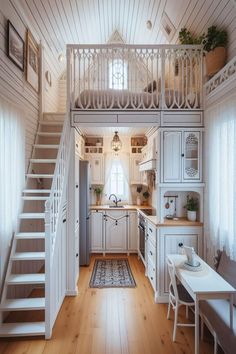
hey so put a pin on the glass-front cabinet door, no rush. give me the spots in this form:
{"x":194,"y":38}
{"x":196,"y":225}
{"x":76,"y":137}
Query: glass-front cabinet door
{"x":191,"y":156}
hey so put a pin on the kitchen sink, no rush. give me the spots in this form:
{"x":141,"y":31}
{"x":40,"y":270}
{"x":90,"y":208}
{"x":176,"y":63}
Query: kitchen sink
{"x":116,"y":206}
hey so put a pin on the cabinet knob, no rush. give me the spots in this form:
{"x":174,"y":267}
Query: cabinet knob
{"x":182,"y":155}
{"x":180,"y":244}
{"x":76,"y":186}
{"x":150,"y":229}
{"x":77,"y":254}
{"x":152,"y":278}
{"x":151,"y":253}
{"x":64,"y":220}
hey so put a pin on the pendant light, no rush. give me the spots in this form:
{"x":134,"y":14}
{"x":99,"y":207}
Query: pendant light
{"x":116,"y":143}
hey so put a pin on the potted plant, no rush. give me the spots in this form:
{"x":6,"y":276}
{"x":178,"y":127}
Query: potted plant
{"x":214,"y":44}
{"x":146,"y":195}
{"x":139,"y":190}
{"x":186,"y":37}
{"x":98,"y":193}
{"x":192,"y":208}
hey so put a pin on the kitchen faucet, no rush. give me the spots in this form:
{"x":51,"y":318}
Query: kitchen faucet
{"x":116,"y":200}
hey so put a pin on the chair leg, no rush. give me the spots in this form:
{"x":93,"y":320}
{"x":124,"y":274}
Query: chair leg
{"x":168,"y":311}
{"x":176,"y":310}
{"x":202,"y":329}
{"x":215,"y":344}
{"x":186,"y":312}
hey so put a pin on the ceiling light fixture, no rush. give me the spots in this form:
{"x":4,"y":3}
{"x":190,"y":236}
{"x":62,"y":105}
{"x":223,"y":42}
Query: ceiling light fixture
{"x":61,"y":58}
{"x":116,"y":144}
{"x":149,"y":24}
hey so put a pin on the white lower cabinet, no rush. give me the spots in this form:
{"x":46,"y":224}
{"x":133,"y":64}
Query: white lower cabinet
{"x":151,"y":255}
{"x":132,"y":231}
{"x":96,"y":229}
{"x":116,"y":231}
{"x":171,"y":239}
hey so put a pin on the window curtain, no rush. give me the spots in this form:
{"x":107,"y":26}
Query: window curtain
{"x":110,"y":158}
{"x":220,"y":168}
{"x":12,"y":174}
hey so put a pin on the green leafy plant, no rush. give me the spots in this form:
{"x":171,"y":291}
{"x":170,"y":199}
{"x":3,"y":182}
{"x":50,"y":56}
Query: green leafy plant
{"x":192,"y":204}
{"x":214,"y":38}
{"x":186,"y":37}
{"x":98,"y":190}
{"x":139,"y":189}
{"x":146,"y":194}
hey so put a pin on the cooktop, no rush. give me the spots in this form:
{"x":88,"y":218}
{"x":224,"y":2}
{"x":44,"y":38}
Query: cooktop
{"x":149,"y":212}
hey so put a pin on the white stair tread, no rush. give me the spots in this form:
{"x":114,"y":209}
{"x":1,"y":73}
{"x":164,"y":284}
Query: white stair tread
{"x":22,"y":329}
{"x":24,"y":304}
{"x":21,"y":256}
{"x":46,"y":146}
{"x":38,"y":278}
{"x":32,"y":216}
{"x":35,"y":197}
{"x":36,"y":191}
{"x":45,"y":122}
{"x":53,"y":134}
{"x":30,"y":235}
{"x":38,"y":175}
{"x":43,"y":160}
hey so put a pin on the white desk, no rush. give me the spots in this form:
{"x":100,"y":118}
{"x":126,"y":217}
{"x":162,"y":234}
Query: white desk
{"x":202,"y":285}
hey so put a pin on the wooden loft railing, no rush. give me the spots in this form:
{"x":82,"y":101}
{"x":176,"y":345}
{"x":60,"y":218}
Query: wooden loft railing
{"x":134,"y":77}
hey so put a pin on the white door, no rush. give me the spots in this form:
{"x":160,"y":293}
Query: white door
{"x":172,"y":151}
{"x":133,"y":231}
{"x":116,"y":231}
{"x":135,"y":175}
{"x":96,"y":227}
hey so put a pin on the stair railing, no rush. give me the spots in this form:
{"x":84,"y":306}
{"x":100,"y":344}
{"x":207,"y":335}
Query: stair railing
{"x":53,"y":211}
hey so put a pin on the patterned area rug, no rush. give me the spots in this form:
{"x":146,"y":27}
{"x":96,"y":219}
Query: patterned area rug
{"x":112,"y":273}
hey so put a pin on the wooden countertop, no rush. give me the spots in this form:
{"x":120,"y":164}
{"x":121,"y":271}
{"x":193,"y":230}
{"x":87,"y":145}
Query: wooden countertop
{"x":125,"y":207}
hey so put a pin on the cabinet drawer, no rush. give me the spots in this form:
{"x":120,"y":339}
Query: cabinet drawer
{"x":152,"y":273}
{"x":151,"y":249}
{"x":151,"y":231}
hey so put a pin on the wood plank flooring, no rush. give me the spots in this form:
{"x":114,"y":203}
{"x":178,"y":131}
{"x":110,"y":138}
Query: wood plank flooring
{"x":111,"y":321}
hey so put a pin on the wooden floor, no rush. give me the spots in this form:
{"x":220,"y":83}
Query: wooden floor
{"x":111,"y":321}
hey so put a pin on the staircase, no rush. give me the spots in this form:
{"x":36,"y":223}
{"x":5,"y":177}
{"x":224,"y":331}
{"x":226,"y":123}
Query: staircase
{"x":22,"y":307}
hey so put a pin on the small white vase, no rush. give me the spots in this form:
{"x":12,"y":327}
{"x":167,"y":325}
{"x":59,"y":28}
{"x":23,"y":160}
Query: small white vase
{"x":191,"y":215}
{"x":138,"y":201}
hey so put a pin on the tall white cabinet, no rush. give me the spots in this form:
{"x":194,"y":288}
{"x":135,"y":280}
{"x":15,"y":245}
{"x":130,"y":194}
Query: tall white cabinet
{"x":181,"y":156}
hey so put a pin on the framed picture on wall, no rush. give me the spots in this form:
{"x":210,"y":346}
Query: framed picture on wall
{"x":15,"y":46}
{"x":32,"y":61}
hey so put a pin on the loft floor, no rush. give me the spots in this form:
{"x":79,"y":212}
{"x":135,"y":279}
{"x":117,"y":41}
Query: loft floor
{"x":111,"y":321}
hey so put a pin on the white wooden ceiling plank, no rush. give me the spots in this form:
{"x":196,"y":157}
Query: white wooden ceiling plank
{"x":209,"y":18}
{"x":223,"y":20}
{"x":67,"y":18}
{"x":54,"y":21}
{"x":142,"y":32}
{"x":76,"y":21}
{"x":158,"y":21}
{"x":194,"y":14}
{"x":186,"y":18}
{"x":54,"y":35}
{"x":98,"y":21}
{"x":84,"y":22}
{"x":59,"y":20}
{"x":133,"y":20}
{"x":140,"y":23}
{"x":125,"y":6}
{"x":203,"y":15}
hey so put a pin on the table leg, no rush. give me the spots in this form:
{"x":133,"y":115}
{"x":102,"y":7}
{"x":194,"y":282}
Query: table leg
{"x":196,"y":326}
{"x":231,"y":309}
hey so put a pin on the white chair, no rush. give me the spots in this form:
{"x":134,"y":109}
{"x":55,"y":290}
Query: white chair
{"x":178,"y":296}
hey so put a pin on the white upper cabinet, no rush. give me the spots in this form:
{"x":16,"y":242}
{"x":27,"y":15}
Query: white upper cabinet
{"x":181,"y":156}
{"x":172,"y":148}
{"x":96,"y":162}
{"x":135,"y":175}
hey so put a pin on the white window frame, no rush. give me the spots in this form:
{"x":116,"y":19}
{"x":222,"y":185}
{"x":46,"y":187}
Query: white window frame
{"x":122,"y":82}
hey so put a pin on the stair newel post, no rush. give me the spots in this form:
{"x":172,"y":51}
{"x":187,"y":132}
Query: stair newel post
{"x":48,"y":273}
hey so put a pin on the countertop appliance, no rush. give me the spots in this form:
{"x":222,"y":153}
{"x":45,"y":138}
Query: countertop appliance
{"x":149,"y":212}
{"x":84,"y":213}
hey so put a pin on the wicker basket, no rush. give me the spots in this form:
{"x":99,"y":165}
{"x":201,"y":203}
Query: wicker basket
{"x":215,"y":60}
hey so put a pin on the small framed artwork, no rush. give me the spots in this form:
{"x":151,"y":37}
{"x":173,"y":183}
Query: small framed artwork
{"x":32,"y":61}
{"x":15,"y":47}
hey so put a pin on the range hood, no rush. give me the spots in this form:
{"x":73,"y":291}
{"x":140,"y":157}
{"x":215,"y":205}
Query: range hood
{"x":148,"y":165}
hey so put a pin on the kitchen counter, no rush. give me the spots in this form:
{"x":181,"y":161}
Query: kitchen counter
{"x":125,"y":207}
{"x":168,"y":222}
